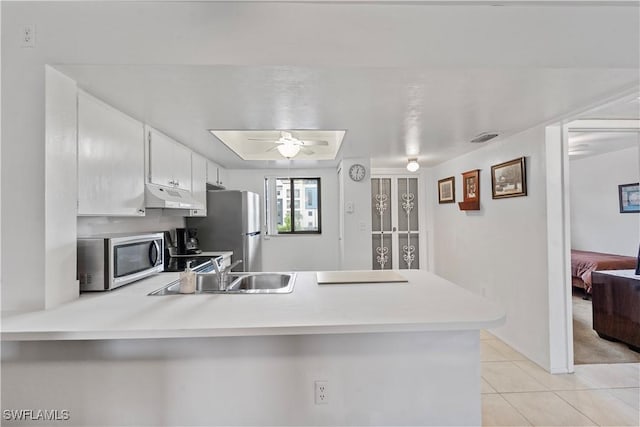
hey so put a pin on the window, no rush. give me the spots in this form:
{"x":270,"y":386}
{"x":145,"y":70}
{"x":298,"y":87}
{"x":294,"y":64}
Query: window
{"x":286,"y":216}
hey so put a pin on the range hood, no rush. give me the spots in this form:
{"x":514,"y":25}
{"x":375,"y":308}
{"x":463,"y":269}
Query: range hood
{"x":157,"y":196}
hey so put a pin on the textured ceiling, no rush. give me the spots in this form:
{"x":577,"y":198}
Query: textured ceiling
{"x":402,"y":79}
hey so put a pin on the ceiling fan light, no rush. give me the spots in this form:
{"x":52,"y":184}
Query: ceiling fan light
{"x":288,"y":150}
{"x":413,"y":165}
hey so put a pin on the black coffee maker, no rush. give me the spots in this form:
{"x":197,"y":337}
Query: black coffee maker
{"x":187,"y":241}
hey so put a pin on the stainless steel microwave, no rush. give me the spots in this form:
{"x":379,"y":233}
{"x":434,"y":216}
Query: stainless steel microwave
{"x":106,"y":262}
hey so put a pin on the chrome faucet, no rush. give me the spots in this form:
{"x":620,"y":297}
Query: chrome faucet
{"x":221,"y":271}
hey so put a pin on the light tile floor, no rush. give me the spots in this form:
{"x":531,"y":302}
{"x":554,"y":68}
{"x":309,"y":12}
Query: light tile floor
{"x":517,"y":392}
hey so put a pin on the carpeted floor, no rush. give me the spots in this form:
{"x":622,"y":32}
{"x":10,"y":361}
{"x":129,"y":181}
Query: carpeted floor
{"x":588,"y":347}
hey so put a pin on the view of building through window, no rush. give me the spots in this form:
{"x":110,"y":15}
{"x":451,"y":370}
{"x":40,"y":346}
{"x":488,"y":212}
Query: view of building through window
{"x":302,"y":214}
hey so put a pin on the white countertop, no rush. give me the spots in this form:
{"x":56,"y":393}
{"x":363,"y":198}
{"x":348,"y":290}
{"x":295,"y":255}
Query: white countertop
{"x":426,"y":303}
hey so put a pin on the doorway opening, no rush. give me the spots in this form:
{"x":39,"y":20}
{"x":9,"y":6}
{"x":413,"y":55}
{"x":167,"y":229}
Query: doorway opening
{"x":604,"y":170}
{"x":396,"y":223}
{"x":590,"y":157}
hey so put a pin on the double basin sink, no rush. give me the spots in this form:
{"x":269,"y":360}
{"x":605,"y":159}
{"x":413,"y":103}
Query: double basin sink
{"x":236,"y":283}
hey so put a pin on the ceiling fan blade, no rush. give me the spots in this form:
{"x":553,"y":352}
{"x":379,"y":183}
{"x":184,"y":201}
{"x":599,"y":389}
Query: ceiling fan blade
{"x":306,"y":150}
{"x":271,"y":149}
{"x":313,"y":142}
{"x":262,"y":139}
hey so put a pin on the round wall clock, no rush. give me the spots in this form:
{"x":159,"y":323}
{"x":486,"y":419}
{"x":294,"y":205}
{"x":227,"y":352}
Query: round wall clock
{"x":357,"y":172}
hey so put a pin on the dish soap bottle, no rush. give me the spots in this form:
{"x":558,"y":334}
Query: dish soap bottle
{"x":188,"y":281}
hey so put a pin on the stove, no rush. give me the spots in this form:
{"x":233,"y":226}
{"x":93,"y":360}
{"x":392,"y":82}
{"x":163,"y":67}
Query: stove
{"x":200,"y":264}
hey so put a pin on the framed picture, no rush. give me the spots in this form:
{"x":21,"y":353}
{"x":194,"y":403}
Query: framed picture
{"x":629,"y":197}
{"x":471,"y":184}
{"x":509,"y":179}
{"x":447,"y":190}
{"x":470,"y":191}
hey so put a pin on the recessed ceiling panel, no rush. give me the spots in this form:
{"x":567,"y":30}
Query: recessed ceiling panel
{"x":264,"y":144}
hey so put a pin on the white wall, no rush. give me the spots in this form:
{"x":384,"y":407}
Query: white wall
{"x":301,"y":252}
{"x":355,"y":241}
{"x":154,"y":220}
{"x":501,"y":250}
{"x":61,"y":193}
{"x":596,"y":222}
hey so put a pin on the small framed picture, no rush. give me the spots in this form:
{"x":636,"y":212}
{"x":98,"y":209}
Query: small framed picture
{"x":471,"y":185}
{"x":447,"y":190}
{"x":629,"y":197}
{"x":509,"y":179}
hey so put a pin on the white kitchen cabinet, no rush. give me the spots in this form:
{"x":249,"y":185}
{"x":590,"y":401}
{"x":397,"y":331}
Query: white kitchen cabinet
{"x":110,"y":160}
{"x":199,"y":184}
{"x":222,"y":177}
{"x":169,"y":161}
{"x":216,"y":175}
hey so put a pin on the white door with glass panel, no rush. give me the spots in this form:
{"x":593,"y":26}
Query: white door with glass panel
{"x":395,"y":223}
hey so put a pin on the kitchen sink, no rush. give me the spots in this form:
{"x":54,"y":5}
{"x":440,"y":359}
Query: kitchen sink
{"x":263,"y":282}
{"x":237,"y":283}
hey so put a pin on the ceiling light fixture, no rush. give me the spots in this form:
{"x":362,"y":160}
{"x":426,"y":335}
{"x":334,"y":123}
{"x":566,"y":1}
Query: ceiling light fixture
{"x":288,"y":149}
{"x":412,"y":165}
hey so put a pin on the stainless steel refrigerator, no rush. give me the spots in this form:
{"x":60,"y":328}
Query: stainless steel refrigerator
{"x":232,"y":224}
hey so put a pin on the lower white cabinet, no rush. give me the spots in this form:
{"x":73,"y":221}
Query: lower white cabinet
{"x":199,"y":184}
{"x":110,"y":160}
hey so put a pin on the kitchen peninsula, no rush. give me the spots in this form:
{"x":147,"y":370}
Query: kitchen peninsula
{"x":390,"y":353}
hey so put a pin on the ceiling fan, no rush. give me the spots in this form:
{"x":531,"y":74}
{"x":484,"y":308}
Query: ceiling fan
{"x":289,"y":146}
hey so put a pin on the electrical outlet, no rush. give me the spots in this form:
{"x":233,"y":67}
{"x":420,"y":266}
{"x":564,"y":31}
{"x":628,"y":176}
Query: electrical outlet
{"x":321,"y":392}
{"x":349,"y":207}
{"x":28,"y":35}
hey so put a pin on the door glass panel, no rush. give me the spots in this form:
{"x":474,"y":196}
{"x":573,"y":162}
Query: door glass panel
{"x":407,"y":204}
{"x":382,"y":252}
{"x":409,"y":251}
{"x":380,"y":204}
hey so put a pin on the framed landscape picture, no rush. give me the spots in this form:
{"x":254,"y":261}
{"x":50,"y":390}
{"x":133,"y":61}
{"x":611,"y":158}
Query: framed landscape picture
{"x":509,"y":179}
{"x":447,"y":190}
{"x":629,"y":198}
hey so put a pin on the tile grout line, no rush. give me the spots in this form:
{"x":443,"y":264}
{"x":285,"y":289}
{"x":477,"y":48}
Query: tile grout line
{"x":609,"y":393}
{"x":524,"y":372}
{"x":517,"y":410}
{"x":579,"y":411}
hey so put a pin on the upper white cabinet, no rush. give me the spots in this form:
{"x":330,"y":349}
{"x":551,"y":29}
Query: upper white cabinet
{"x":216,"y":175}
{"x":169,"y":161}
{"x":222,"y":176}
{"x":199,"y":183}
{"x":110,"y":160}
